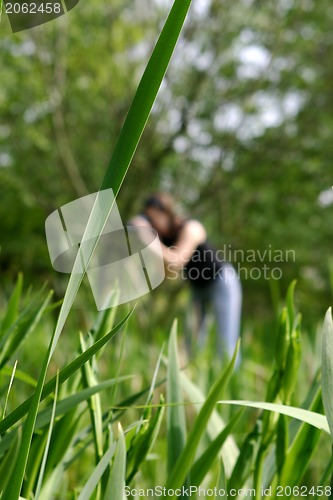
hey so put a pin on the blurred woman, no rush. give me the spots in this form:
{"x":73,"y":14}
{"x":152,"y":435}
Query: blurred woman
{"x":213,"y":282}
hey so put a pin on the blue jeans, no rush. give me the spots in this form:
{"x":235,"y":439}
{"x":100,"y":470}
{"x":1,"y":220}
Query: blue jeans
{"x":224,"y":294}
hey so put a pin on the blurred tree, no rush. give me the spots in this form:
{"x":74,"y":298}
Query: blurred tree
{"x":240,"y":133}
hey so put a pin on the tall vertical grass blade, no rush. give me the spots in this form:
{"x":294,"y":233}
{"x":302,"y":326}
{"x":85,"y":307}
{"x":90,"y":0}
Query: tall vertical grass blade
{"x":203,"y":464}
{"x":229,"y":452}
{"x":116,"y":482}
{"x":282,"y":443}
{"x":184,"y":462}
{"x":327,"y":368}
{"x":290,"y":304}
{"x":99,"y":470}
{"x":300,"y":452}
{"x":47,"y":446}
{"x":95,"y":405}
{"x":7,"y":463}
{"x":61,"y":445}
{"x":146,"y":433}
{"x":22,"y":328}
{"x":118,"y":366}
{"x":8,"y":391}
{"x":116,"y":171}
{"x":13,"y":306}
{"x":221,"y":483}
{"x":142,"y":442}
{"x":248,"y":453}
{"x":271,"y":470}
{"x":127,"y":143}
{"x":145,"y":96}
{"x":176,"y":425}
{"x":13,"y":489}
{"x":327,"y":371}
{"x":153,"y":382}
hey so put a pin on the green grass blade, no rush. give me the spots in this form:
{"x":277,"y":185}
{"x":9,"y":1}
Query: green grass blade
{"x":99,"y":470}
{"x":153,"y":382}
{"x":290,"y":305}
{"x":71,"y":402}
{"x":125,"y":147}
{"x":22,"y":319}
{"x":146,"y":431}
{"x":143,"y":441}
{"x":310,"y":417}
{"x":282,"y":443}
{"x":176,"y":424}
{"x":19,"y":375}
{"x":118,"y":362}
{"x":64,"y":374}
{"x":104,"y":322}
{"x":229,"y":452}
{"x":47,"y":446}
{"x":123,"y":153}
{"x":221,"y":483}
{"x":248,"y":452}
{"x":64,"y":406}
{"x":327,"y":368}
{"x":23,"y":329}
{"x":12,"y":308}
{"x":117,"y":412}
{"x":95,"y":406}
{"x":116,"y":482}
{"x":184,"y":462}
{"x":326,"y":476}
{"x":301,"y":450}
{"x":203,"y":464}
{"x":8,"y":462}
{"x":293,"y":429}
{"x":34,"y":462}
{"x":145,"y":96}
{"x":63,"y":436}
{"x":13,"y":489}
{"x":8,"y":391}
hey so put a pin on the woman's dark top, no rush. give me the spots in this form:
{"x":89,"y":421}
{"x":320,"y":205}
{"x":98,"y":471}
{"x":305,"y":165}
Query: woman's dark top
{"x":204,"y":265}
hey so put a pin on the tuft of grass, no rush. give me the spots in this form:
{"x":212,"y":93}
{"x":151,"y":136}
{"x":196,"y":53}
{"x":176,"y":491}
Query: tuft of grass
{"x":97,"y":446}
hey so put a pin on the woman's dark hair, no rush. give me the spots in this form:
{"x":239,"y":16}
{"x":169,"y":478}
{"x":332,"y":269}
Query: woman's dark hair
{"x":154,"y":201}
{"x":165,"y":203}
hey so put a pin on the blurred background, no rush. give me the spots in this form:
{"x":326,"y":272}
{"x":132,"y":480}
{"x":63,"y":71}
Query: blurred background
{"x":240,"y":134}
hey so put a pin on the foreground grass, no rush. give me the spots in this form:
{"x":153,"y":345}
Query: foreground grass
{"x":118,"y":412}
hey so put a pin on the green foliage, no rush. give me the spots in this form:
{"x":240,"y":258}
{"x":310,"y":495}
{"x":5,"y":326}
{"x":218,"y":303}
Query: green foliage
{"x":327,"y":376}
{"x":78,"y":429}
{"x":186,"y":458}
{"x":68,"y":447}
{"x":176,"y":412}
{"x":243,"y":117}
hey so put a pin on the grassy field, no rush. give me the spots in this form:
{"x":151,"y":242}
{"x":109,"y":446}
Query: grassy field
{"x":103,"y":406}
{"x":121,"y":409}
